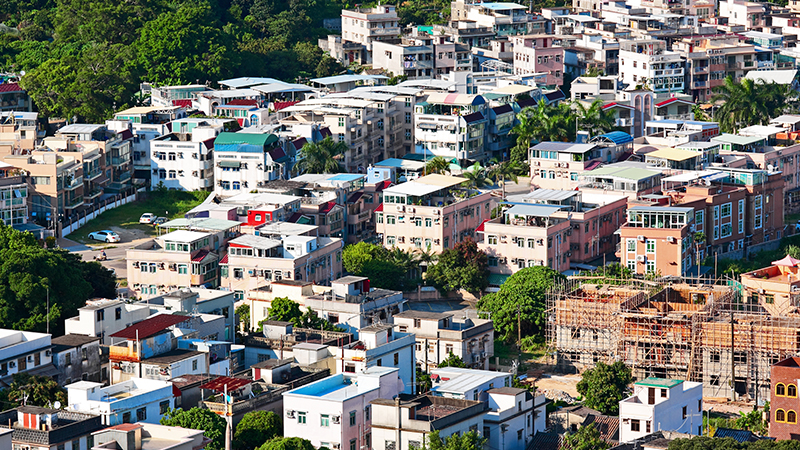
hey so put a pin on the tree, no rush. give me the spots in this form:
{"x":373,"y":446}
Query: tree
{"x":521,"y":301}
{"x":285,"y":309}
{"x":243,"y":313}
{"x":462,"y":267}
{"x":212,"y":424}
{"x":290,"y":443}
{"x":256,"y":428}
{"x":35,"y":390}
{"x":437,"y":164}
{"x":507,"y":170}
{"x":356,"y":255}
{"x":319,"y":157}
{"x":29,"y":273}
{"x":452,"y":360}
{"x":586,"y":438}
{"x":594,"y":119}
{"x":384,"y":274}
{"x":424,"y":382}
{"x":747,"y":103}
{"x":476,"y":176}
{"x":467,"y":441}
{"x":604,"y":386}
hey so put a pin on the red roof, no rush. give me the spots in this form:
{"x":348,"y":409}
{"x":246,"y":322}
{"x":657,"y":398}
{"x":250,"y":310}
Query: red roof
{"x":615,"y":104}
{"x":592,"y":165}
{"x":126,"y":134}
{"x":209,"y":143}
{"x":199,"y":256}
{"x":219,"y":384}
{"x":126,"y":427}
{"x":150,"y":327}
{"x":379,"y":208}
{"x":325,"y":132}
{"x":481,"y":226}
{"x":327,"y":207}
{"x":10,"y":87}
{"x":280,"y":105}
{"x":241,"y":102}
{"x":224,"y":259}
{"x":382,"y":185}
{"x":299,"y":143}
{"x":673,"y":100}
{"x":184,"y":103}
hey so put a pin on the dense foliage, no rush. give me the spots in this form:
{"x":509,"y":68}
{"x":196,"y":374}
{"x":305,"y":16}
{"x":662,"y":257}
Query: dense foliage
{"x":32,"y":390}
{"x":212,"y":424}
{"x":748,"y":103}
{"x":287,"y":310}
{"x":586,"y":438}
{"x":521,"y":301}
{"x":604,"y":386}
{"x":393,"y":269}
{"x":255,"y":429}
{"x":463,"y":267}
{"x":470,"y":440}
{"x":243,"y":315}
{"x":28,"y":271}
{"x":87,"y":58}
{"x":291,"y":443}
{"x":707,"y":443}
{"x":452,"y":360}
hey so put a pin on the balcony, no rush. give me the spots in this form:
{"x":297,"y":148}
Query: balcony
{"x":700,"y":69}
{"x":363,"y":216}
{"x":735,"y":65}
{"x":699,"y":84}
{"x":625,"y":122}
{"x":122,"y":353}
{"x":93,"y":195}
{"x":76,"y":183}
{"x":464,"y":62}
{"x":411,"y":65}
{"x":92,"y":175}
{"x":74,"y":203}
{"x":199,"y":280}
{"x":393,"y":31}
{"x":118,"y":161}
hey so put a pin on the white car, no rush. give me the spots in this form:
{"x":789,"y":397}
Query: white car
{"x":147,"y":218}
{"x":105,"y":236}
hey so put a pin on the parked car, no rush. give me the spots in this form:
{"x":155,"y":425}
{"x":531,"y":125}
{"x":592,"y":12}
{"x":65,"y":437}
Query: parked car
{"x":105,"y":236}
{"x":147,"y":218}
{"x":158,"y":221}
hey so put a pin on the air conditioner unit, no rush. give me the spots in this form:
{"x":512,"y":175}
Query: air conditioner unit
{"x":401,"y":208}
{"x":12,"y":364}
{"x":671,"y":239}
{"x":30,"y":358}
{"x":760,"y":291}
{"x":537,"y":163}
{"x":641,"y":258}
{"x":640,"y":237}
{"x":290,"y":413}
{"x":436,"y":212}
{"x":136,"y":264}
{"x":569,"y":232}
{"x":411,"y":209}
{"x":569,"y":253}
{"x":161,"y":266}
{"x":336,"y":419}
{"x":48,"y":353}
{"x":502,"y":260}
{"x":336,"y":446}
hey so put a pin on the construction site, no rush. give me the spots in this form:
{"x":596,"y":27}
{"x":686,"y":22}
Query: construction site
{"x":717,"y":334}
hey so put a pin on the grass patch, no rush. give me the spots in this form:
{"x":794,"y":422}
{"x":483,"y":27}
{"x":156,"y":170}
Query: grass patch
{"x":162,"y":203}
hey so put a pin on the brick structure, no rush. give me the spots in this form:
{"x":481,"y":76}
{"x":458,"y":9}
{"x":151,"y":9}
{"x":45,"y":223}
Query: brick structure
{"x":784,"y":404}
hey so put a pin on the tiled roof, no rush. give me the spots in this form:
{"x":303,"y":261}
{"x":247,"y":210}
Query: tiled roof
{"x":673,"y":100}
{"x":276,"y":154}
{"x":220,"y":383}
{"x":325,"y":132}
{"x":555,"y":95}
{"x":355,"y":197}
{"x":607,"y":426}
{"x":474,"y":117}
{"x":503,"y":109}
{"x":382,"y":185}
{"x":737,"y":435}
{"x":299,"y":143}
{"x":224,"y":259}
{"x":545,"y":441}
{"x":184,"y":103}
{"x":379,"y":208}
{"x":150,"y":327}
{"x":481,"y":227}
{"x":10,"y":87}
{"x":209,"y":143}
{"x":126,"y":134}
{"x":240,"y":102}
{"x":327,"y":207}
{"x":199,"y":256}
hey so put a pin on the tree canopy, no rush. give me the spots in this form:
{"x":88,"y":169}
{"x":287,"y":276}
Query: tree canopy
{"x":452,"y":360}
{"x":394,"y":269}
{"x":521,"y":300}
{"x":603,"y":386}
{"x":28,"y":271}
{"x":212,"y":424}
{"x":33,"y":390}
{"x":287,"y":310}
{"x":257,"y":428}
{"x":289,"y":443}
{"x":462,"y":267}
{"x":319,"y":157}
{"x":467,"y":441}
{"x":748,"y":103}
{"x":586,"y":438}
{"x":709,"y":443}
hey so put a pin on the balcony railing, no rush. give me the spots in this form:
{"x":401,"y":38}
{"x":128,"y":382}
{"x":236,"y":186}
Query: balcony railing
{"x":625,"y":122}
{"x":74,"y":203}
{"x":384,"y":31}
{"x":93,"y":174}
{"x":700,"y":69}
{"x":118,"y":161}
{"x":244,"y":405}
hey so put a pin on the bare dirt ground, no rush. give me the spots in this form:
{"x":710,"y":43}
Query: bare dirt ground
{"x":565,"y":383}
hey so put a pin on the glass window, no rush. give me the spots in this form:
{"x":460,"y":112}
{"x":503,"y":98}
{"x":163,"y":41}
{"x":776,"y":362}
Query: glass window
{"x":631,"y":245}
{"x":650,"y":246}
{"x":301,"y":417}
{"x":324,"y":420}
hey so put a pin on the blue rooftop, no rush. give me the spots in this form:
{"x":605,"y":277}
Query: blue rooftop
{"x":346,"y":177}
{"x":617,"y":137}
{"x":348,"y":78}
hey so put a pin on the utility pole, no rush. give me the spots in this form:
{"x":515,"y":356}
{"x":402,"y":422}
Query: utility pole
{"x":733,"y":361}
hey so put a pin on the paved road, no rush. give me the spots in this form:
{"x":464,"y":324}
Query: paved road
{"x":115,"y":252}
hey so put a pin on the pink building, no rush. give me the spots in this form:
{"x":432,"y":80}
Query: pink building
{"x":433,"y":212}
{"x":535,"y":53}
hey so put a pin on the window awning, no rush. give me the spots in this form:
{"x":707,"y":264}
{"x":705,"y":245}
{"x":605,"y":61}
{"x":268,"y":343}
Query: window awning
{"x":226,"y":163}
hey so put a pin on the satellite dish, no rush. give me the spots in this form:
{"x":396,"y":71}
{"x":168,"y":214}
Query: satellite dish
{"x":57,"y":404}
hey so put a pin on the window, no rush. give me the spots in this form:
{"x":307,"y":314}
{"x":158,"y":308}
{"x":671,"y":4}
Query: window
{"x":163,"y":407}
{"x":631,"y":245}
{"x":389,"y":445}
{"x":791,"y":390}
{"x":791,"y":417}
{"x":68,"y":359}
{"x":100,"y":315}
{"x":366,"y":412}
{"x":118,"y":314}
{"x":492,"y":239}
{"x":194,"y":365}
{"x":183,"y":269}
{"x":352,"y":418}
{"x":684,"y":412}
{"x":650,"y":246}
{"x":352,"y":444}
{"x":780,"y":416}
{"x":780,"y":390}
{"x":726,"y":210}
{"x":380,"y":363}
{"x":663,"y":393}
{"x":324,"y":420}
{"x":301,"y":417}
{"x":141,"y":414}
{"x":635,"y":425}
{"x":519,"y":435}
{"x":448,"y":348}
{"x":396,"y":359}
{"x":647,"y":426}
{"x":417,"y":323}
{"x":769,"y":299}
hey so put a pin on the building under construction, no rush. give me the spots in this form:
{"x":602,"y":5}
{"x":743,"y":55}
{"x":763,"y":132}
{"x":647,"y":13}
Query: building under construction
{"x":671,"y":330}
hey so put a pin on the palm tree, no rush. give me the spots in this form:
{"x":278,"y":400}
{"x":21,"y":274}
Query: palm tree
{"x":438,"y":165}
{"x":553,"y":123}
{"x":524,"y":132}
{"x":476,"y":177}
{"x":508,"y":170}
{"x":319,"y":157}
{"x":748,"y":103}
{"x":594,"y":119}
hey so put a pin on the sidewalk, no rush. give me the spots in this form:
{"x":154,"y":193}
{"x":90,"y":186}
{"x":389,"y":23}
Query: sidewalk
{"x":70,"y":245}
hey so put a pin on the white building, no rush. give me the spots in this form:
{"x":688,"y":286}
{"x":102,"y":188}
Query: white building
{"x":335,"y":412}
{"x":183,"y":159}
{"x":134,"y":400}
{"x":380,"y":346}
{"x":401,"y":424}
{"x":659,"y":404}
{"x":245,"y":161}
{"x":648,"y":62}
{"x":367,"y":25}
{"x":25,"y":351}
{"x":103,"y":317}
{"x":514,"y":417}
{"x":468,"y":384}
{"x":148,"y":436}
{"x":438,"y":335}
{"x":452,"y":126}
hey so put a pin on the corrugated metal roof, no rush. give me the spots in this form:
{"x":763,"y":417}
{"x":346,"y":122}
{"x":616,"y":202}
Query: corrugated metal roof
{"x":533,"y":210}
{"x":474,"y":117}
{"x":262,"y":140}
{"x":221,"y":383}
{"x":568,"y":147}
{"x":150,"y":327}
{"x":629,"y":173}
{"x":617,"y":137}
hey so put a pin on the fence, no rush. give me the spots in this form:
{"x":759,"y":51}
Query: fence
{"x":93,"y":211}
